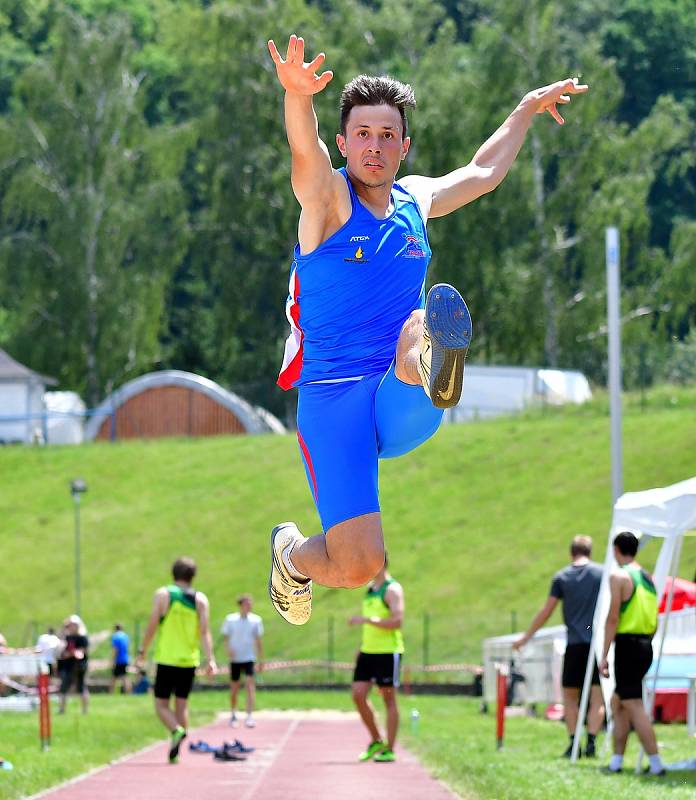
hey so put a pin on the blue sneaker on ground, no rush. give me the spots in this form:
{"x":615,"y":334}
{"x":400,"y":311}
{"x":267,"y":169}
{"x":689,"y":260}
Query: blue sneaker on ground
{"x":238,"y":747}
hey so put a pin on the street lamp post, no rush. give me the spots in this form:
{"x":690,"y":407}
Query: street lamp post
{"x":77,"y":488}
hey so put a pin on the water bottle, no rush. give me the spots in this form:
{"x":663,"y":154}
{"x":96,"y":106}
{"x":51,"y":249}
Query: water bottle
{"x":415,"y":717}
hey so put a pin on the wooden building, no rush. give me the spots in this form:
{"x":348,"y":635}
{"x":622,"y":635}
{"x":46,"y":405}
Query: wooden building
{"x":175,"y":403}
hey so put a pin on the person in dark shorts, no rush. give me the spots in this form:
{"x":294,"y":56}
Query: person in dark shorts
{"x":119,"y":670}
{"x":631,"y":624}
{"x":577,"y":586}
{"x":379,"y":660}
{"x":74,"y":662}
{"x":180,"y":618}
{"x":243,"y":632}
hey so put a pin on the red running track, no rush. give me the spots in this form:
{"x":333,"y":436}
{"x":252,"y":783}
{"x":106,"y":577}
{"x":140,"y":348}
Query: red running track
{"x":299,"y":756}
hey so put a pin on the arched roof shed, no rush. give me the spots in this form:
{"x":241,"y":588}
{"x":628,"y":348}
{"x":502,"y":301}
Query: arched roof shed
{"x":172,"y":403}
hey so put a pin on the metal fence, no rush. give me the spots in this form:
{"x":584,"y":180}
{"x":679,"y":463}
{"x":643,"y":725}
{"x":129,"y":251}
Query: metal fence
{"x":325,"y":654}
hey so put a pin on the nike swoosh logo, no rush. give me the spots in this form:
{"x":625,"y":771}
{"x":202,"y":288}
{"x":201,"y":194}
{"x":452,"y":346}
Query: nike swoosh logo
{"x":447,"y":394}
{"x":424,"y":361}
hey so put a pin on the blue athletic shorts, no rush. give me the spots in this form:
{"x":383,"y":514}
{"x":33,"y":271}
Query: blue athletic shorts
{"x":344,"y":428}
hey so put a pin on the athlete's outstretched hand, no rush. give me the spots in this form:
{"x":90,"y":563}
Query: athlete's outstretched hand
{"x":547,"y":97}
{"x":295,"y":76}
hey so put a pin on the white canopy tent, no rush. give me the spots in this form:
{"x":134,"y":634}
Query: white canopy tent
{"x":667,"y":513}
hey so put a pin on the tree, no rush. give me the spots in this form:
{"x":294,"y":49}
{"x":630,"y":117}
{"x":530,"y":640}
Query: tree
{"x":531,"y":254}
{"x":93,"y":211}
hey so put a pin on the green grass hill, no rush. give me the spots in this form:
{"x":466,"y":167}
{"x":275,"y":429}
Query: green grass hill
{"x":476,"y":522}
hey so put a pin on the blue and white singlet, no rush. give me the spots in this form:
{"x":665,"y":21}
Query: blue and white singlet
{"x":350,"y":297}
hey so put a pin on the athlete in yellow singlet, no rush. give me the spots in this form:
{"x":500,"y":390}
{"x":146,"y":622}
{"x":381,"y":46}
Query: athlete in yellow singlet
{"x":180,"y":617}
{"x":631,"y":625}
{"x":379,"y":660}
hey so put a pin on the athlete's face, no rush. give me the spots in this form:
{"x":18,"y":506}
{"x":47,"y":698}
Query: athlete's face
{"x":373,"y":144}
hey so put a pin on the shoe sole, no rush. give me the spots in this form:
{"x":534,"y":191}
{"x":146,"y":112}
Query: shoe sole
{"x":449,"y":325}
{"x":274,"y":532}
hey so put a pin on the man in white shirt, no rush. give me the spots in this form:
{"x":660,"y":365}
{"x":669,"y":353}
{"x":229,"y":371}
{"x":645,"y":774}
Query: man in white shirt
{"x":46,"y":646}
{"x":243,"y":631}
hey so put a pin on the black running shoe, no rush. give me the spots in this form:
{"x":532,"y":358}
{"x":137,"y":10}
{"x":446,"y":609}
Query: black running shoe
{"x":228,"y":755}
{"x":660,"y":774}
{"x":569,"y":751}
{"x":446,"y":338}
{"x":178,"y":737}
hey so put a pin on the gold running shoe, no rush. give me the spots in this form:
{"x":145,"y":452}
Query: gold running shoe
{"x":291,"y":598}
{"x":446,"y":338}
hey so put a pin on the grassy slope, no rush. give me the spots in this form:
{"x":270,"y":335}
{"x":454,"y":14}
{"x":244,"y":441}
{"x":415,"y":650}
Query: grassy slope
{"x":476,"y":522}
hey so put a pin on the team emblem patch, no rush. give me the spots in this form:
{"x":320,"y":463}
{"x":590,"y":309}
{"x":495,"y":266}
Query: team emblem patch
{"x":415,"y":246}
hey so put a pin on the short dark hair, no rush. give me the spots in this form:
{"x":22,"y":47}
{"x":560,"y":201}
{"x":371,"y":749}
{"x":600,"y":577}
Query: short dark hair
{"x":117,"y":627}
{"x":184,"y":569}
{"x":626,"y":543}
{"x":581,"y":546}
{"x":242,"y":598}
{"x":366,"y":90}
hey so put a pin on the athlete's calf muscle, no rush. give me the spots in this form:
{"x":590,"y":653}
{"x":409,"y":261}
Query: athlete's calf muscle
{"x":348,"y":556}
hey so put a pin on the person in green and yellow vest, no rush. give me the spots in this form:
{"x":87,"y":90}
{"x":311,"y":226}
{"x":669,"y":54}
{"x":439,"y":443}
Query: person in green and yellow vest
{"x":180,"y":618}
{"x":631,"y":625}
{"x":379,"y":660}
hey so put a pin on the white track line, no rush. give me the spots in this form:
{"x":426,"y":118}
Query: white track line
{"x":249,"y":794}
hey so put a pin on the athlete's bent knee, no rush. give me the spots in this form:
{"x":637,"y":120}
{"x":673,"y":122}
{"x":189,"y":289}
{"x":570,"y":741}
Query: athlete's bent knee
{"x":364,"y":567}
{"x":411,"y":332}
{"x":415,"y":317}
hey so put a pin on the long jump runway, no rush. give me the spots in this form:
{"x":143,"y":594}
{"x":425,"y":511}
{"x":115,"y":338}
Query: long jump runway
{"x":298,"y":756}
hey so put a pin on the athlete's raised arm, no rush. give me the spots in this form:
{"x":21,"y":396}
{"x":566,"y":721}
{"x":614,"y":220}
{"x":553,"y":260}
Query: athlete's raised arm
{"x":312,"y":172}
{"x":486,"y":170}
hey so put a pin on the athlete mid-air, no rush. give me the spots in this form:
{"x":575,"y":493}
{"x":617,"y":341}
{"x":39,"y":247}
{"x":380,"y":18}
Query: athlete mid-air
{"x":364,"y":342}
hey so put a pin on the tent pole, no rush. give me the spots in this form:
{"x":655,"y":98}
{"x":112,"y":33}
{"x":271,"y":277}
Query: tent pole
{"x":614,"y":358}
{"x":611,"y":248}
{"x":650,"y":704}
{"x":584,"y":700}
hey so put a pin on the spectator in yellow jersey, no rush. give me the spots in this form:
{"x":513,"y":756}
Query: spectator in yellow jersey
{"x":379,"y":660}
{"x":180,"y":618}
{"x":631,"y":624}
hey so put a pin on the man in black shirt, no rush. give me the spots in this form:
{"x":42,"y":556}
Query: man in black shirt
{"x":577,"y":585}
{"x":73,"y":661}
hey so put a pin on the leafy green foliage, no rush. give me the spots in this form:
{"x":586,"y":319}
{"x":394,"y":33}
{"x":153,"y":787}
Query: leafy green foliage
{"x":93,"y":211}
{"x":161,"y":234}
